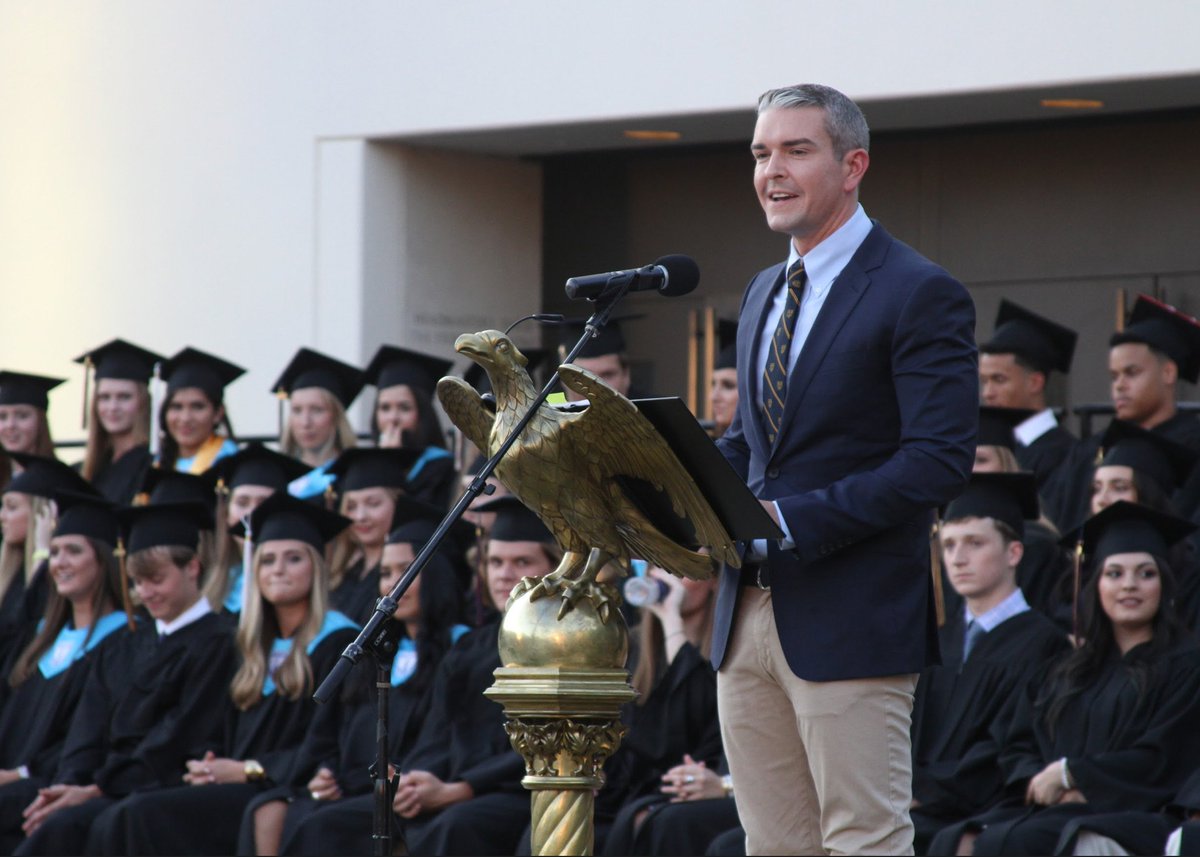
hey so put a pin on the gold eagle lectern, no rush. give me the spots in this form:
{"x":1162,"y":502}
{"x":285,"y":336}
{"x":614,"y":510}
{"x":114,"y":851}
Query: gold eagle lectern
{"x":562,"y":681}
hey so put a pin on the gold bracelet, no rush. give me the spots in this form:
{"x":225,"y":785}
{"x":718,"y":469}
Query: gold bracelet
{"x":254,"y":771}
{"x":727,"y":785}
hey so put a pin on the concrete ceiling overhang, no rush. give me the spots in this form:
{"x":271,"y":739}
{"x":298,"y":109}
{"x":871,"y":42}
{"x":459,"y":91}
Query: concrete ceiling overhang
{"x":893,"y":114}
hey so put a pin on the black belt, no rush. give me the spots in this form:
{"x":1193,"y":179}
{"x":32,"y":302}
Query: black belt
{"x":756,"y":574}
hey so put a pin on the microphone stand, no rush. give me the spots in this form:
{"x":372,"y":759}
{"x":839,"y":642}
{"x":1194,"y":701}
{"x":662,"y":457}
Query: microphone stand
{"x":383,"y":651}
{"x":374,"y":633}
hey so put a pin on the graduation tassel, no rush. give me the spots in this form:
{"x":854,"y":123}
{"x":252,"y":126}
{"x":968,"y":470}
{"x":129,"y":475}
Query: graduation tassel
{"x":119,"y":553}
{"x":1075,"y":594}
{"x":935,"y":569}
{"x":87,"y":374}
{"x":247,"y":560}
{"x":281,"y":397}
{"x":156,"y":400}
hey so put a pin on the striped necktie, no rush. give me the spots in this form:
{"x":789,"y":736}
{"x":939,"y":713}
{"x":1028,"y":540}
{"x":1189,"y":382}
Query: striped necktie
{"x":775,"y":374}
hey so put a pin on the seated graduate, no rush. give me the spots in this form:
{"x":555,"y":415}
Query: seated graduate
{"x":1014,"y":367}
{"x":404,"y":416}
{"x":24,"y":401}
{"x":673,"y":722}
{"x":723,"y":394}
{"x":1113,"y":726}
{"x":318,"y":390}
{"x":154,"y":699}
{"x":341,"y":747}
{"x":992,"y":647}
{"x":288,"y":640}
{"x":240,"y":483}
{"x":460,"y":786}
{"x":1044,"y":564}
{"x":117,"y":418}
{"x":46,"y":678}
{"x":193,"y":413}
{"x":27,"y":516}
{"x":369,"y":482}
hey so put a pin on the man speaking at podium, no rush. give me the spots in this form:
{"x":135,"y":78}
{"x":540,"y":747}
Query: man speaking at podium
{"x":859,"y":362}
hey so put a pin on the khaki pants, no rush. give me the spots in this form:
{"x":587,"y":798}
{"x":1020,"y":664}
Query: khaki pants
{"x":818,"y":767}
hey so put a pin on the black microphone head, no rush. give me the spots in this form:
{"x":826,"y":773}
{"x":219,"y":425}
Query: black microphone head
{"x":683,"y":275}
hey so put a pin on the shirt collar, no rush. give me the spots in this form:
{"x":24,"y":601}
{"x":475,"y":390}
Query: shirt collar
{"x":197,"y":611}
{"x":824,"y":262}
{"x":1036,"y":426}
{"x":1013,"y":605}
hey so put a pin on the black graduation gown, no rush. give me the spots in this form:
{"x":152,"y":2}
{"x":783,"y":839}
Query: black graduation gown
{"x":119,"y":481}
{"x":434,"y":481}
{"x":356,"y":595}
{"x":1042,"y":569}
{"x":956,"y":709}
{"x":462,"y":739}
{"x":1046,"y":454}
{"x":1126,"y":750}
{"x":205,"y":819}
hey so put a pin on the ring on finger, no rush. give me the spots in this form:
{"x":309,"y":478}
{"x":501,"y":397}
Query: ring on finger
{"x":689,"y":779}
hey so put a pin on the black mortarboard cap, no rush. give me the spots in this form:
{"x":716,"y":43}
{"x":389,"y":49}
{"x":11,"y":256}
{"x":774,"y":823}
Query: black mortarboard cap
{"x":996,"y":425}
{"x":1164,"y":329}
{"x":194,"y":368}
{"x":165,"y":525}
{"x":121,"y":360}
{"x":610,"y":339}
{"x":256,"y":465}
{"x":20,"y":388}
{"x":373,"y":467}
{"x":1008,"y":497}
{"x":174,"y":486}
{"x":43,"y":477}
{"x":312,"y":369}
{"x":392,"y":366}
{"x":1127,"y":527}
{"x":514,"y":521}
{"x":727,"y":342}
{"x":282,"y":516}
{"x":1148,"y":453}
{"x":1044,"y":344}
{"x":87,"y":515}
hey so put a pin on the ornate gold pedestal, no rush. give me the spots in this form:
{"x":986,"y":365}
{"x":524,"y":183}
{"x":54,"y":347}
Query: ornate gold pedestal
{"x":562,"y":685}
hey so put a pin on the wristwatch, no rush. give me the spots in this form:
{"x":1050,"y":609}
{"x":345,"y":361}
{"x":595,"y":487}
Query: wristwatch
{"x":254,"y":771}
{"x":727,"y":785}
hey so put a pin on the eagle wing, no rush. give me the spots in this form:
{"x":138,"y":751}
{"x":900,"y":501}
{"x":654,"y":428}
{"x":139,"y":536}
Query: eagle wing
{"x":467,"y":411}
{"x":615,"y":439}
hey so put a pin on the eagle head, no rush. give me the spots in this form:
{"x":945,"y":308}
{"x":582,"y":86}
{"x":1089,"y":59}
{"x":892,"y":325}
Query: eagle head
{"x":492,"y":350}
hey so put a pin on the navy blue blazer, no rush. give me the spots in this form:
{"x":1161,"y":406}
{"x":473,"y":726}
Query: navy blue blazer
{"x":878,"y":430}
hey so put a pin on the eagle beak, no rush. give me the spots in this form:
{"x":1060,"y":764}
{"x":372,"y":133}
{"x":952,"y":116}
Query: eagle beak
{"x":470,"y":345}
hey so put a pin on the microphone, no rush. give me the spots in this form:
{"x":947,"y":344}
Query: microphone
{"x":671,"y":276}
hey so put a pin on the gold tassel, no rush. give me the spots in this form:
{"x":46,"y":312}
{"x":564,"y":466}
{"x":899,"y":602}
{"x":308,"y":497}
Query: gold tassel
{"x":87,"y":374}
{"x":935,"y":569}
{"x":125,"y":600}
{"x":1075,"y":594}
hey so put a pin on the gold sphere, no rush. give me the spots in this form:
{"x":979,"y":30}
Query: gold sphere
{"x":532,"y":635}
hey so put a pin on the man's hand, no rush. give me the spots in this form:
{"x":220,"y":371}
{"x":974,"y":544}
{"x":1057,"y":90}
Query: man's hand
{"x":53,"y":798}
{"x":420,"y":792}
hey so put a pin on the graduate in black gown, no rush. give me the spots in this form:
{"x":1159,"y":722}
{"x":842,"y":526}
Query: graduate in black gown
{"x":368,"y":482}
{"x":1044,"y":563}
{"x":117,"y":418}
{"x":46,"y":678}
{"x":340,"y":746}
{"x":1158,"y":347}
{"x":287,"y":641}
{"x":460,"y":787}
{"x":24,"y":402}
{"x":193,"y":430}
{"x":27,"y":515}
{"x":1113,"y":727}
{"x":991,"y":648}
{"x":155,"y":698}
{"x":1014,"y":366}
{"x":318,"y":389}
{"x":404,"y":417}
{"x":239,"y":484}
{"x":673,"y":722}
